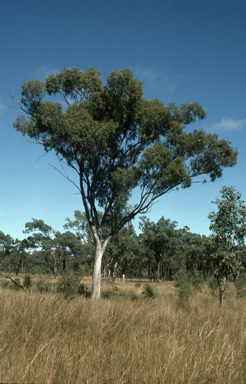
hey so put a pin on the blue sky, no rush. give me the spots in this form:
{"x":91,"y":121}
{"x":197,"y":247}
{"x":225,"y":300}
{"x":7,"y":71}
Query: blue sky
{"x":183,"y":51}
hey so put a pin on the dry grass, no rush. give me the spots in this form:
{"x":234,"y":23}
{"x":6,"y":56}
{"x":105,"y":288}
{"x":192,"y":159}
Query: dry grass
{"x":46,"y":339}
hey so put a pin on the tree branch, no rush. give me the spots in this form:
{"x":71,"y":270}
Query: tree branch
{"x":66,"y":176}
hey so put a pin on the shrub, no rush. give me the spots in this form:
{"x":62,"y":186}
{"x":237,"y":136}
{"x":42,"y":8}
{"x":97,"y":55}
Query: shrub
{"x":68,"y":284}
{"x":138,"y":284}
{"x":27,"y":281}
{"x":184,"y":292}
{"x":111,"y":293}
{"x":213,"y":285}
{"x":196,"y":279}
{"x":149,"y":291}
{"x":180,"y":278}
{"x":83,"y":290}
{"x":183,"y":282}
{"x":193,"y":278}
{"x":42,"y":286}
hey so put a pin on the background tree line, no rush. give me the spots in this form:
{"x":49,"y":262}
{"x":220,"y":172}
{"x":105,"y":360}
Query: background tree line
{"x":157,"y":253}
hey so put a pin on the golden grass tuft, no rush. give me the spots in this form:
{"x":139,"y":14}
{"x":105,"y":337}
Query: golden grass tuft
{"x":46,"y":339}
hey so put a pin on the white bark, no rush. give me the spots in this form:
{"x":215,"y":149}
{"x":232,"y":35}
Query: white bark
{"x":96,"y":278}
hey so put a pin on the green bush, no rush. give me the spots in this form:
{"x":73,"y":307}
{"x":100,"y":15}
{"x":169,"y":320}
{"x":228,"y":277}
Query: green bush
{"x":69,"y":285}
{"x":42,"y":286}
{"x":83,"y":290}
{"x":149,"y":291}
{"x":180,"y":278}
{"x":111,"y":293}
{"x":183,"y":282}
{"x":27,"y":281}
{"x":196,"y":279}
{"x":138,"y":284}
{"x":213,"y":285}
{"x":184,"y":292}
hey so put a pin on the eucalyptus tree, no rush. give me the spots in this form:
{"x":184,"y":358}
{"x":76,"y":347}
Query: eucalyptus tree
{"x":12,"y":252}
{"x":60,"y":245}
{"x":194,"y":251}
{"x":228,"y":225}
{"x":120,"y":249}
{"x":116,"y":140}
{"x":6,"y":245}
{"x":158,"y":238}
{"x":80,"y":226}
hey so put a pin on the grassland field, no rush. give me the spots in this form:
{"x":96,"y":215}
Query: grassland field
{"x":125,"y":338}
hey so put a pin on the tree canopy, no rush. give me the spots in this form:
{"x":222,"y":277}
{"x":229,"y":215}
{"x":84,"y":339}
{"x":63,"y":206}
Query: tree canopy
{"x":229,"y":227}
{"x":117,"y":140}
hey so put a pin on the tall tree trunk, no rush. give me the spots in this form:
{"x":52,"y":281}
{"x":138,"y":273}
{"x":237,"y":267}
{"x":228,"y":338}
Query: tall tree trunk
{"x":96,"y":278}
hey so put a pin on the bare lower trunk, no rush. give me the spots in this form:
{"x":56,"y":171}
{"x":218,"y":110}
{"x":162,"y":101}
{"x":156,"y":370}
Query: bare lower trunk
{"x":96,"y":278}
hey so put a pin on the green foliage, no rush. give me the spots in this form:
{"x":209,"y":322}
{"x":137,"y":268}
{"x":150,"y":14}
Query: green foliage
{"x":196,"y":279}
{"x":27,"y":283}
{"x":181,"y":278}
{"x":55,"y":247}
{"x":229,"y":227}
{"x":83,"y":290}
{"x":97,"y":119}
{"x":188,"y":283}
{"x":5,"y":284}
{"x":213,"y":285}
{"x":149,"y":291}
{"x":69,"y":285}
{"x":111,"y":293}
{"x":158,"y":240}
{"x":193,"y":278}
{"x":184,"y":293}
{"x":138,"y":284}
{"x":229,"y":222}
{"x":116,"y":140}
{"x":240,"y":284}
{"x":43,"y":286}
